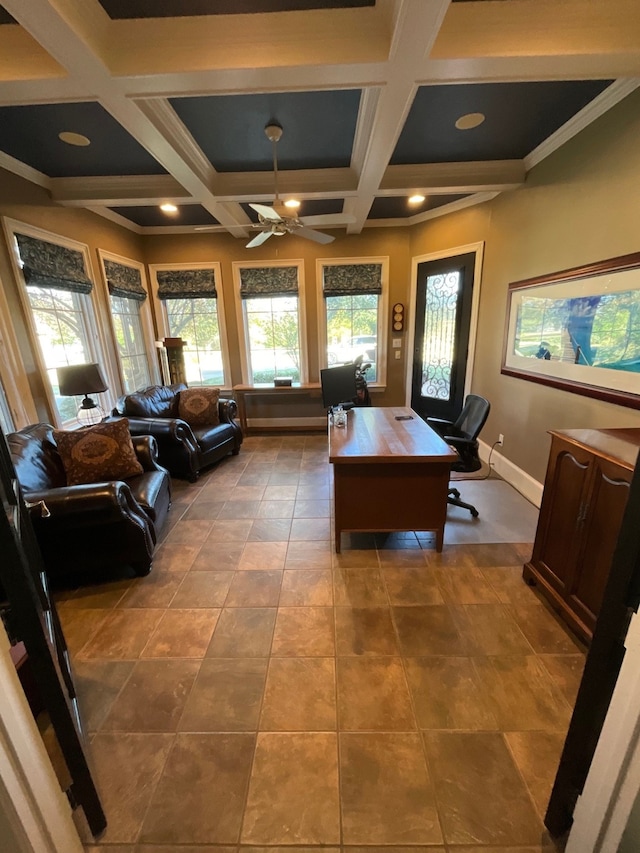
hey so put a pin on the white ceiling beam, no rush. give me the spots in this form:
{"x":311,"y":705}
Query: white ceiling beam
{"x":416,"y":27}
{"x":467,"y":177}
{"x":118,"y":190}
{"x":307,"y":183}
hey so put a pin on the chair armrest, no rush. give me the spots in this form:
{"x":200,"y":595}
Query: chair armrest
{"x":227,"y":410}
{"x":146,"y":448}
{"x":88,"y":503}
{"x":459,"y":441}
{"x":166,"y":431}
{"x":439,"y":424}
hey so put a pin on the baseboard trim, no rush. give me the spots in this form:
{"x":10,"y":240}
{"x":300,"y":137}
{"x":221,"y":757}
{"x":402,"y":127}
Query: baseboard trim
{"x":528,"y":487}
{"x":288,"y":423}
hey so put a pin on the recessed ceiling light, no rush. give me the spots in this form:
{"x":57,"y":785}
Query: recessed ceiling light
{"x":416,"y":199}
{"x":470,"y":120}
{"x":292,"y":202}
{"x":168,"y":208}
{"x":74,"y":138}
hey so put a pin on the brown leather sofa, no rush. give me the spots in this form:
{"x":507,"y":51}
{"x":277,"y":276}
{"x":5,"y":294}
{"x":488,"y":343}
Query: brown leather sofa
{"x":95,"y":525}
{"x":184,"y":450}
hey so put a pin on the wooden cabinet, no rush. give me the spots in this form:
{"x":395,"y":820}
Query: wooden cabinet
{"x":585,"y":494}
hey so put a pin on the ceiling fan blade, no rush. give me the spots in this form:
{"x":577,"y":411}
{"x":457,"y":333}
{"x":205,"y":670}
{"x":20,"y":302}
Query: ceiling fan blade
{"x":328,"y":219}
{"x":316,"y":236}
{"x":266,"y":212}
{"x":259,"y":239}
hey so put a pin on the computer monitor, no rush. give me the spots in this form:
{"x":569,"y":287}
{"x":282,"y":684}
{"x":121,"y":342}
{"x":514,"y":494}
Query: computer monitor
{"x":338,"y":385}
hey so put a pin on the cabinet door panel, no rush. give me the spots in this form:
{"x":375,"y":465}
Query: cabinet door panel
{"x":561,"y":507}
{"x":601,"y":527}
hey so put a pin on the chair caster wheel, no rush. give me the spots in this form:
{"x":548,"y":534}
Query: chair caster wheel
{"x":475,"y":513}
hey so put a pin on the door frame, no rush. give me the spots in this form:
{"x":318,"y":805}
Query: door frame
{"x":478,"y":249}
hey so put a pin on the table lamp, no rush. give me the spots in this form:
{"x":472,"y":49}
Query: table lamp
{"x":78,"y":380}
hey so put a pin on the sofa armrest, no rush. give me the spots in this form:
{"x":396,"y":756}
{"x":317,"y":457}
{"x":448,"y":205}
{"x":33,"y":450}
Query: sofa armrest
{"x":227,"y":410}
{"x":166,"y":431}
{"x":146,"y":448}
{"x":88,"y":503}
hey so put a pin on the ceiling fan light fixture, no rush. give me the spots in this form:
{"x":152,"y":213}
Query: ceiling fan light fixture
{"x":470,"y":120}
{"x":292,"y":202}
{"x":416,"y":199}
{"x":167,"y":207}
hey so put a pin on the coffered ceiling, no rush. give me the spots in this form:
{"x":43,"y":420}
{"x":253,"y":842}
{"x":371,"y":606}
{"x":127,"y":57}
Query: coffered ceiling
{"x":453,"y":100}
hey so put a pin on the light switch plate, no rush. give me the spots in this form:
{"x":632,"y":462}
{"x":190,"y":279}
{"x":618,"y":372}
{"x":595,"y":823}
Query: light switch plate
{"x":396,"y":343}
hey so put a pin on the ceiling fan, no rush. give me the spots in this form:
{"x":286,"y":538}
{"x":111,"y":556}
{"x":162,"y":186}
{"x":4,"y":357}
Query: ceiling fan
{"x":276,"y":221}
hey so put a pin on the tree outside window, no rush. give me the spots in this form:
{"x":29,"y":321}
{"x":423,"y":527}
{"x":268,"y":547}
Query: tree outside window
{"x":352,"y":329}
{"x":274,"y":337}
{"x":196,"y":322}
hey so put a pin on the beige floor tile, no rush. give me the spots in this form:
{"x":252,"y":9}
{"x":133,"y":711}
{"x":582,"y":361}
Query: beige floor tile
{"x":537,"y":755}
{"x":481,"y":796}
{"x":79,"y":626}
{"x":447,"y":694}
{"x":490,"y":629}
{"x":254,"y":589}
{"x":464,"y":585}
{"x":312,"y":509}
{"x":566,"y":671}
{"x":280,"y":493}
{"x":153,"y":698}
{"x":182,"y":634}
{"x":230,"y":530}
{"x":303,"y":529}
{"x":308,"y":555}
{"x":126,"y":796}
{"x":545,"y":631}
{"x":275,"y":509}
{"x":373,"y":695}
{"x":522,"y":695}
{"x":359,"y":588}
{"x":304,"y":632}
{"x":246,"y":493}
{"x":306,"y":588}
{"x":212,"y":811}
{"x":174,"y":558}
{"x":428,"y":630}
{"x":100,"y":596}
{"x":123,"y":634}
{"x":386,"y":794}
{"x":293,"y":794}
{"x":98,"y":684}
{"x":217,"y":556}
{"x":410,"y":555}
{"x":300,"y":695}
{"x":190,"y":532}
{"x":155,"y":590}
{"x":409,"y":585}
{"x":226,"y":696}
{"x":263,"y":555}
{"x":313,"y":491}
{"x":356,"y":558}
{"x":239,"y":509}
{"x":270,"y":530}
{"x":202,"y":510}
{"x":509,"y":585}
{"x":244,"y":632}
{"x":202,"y":589}
{"x":365,"y":631}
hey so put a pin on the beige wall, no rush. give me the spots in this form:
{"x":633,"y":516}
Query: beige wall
{"x":580,"y":205}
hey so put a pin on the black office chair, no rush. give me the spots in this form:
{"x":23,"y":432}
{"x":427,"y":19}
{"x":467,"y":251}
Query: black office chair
{"x":463,"y":435}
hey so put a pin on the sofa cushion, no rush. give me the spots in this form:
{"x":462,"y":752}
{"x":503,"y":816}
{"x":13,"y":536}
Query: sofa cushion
{"x":98,"y":453}
{"x":212,"y":436}
{"x":157,"y":401}
{"x":35,"y":458}
{"x":199,"y":406}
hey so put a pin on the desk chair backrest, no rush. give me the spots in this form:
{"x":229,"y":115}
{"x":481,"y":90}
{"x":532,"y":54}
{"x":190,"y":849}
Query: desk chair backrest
{"x":473,"y":416}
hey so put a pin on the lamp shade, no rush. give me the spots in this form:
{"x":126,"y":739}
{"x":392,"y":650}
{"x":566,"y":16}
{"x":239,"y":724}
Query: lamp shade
{"x":81,"y":379}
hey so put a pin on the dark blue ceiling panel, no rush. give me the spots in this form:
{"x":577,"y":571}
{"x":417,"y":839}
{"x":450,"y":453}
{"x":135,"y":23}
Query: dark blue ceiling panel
{"x":30,"y":134}
{"x":318,"y":128}
{"x":308,"y":207}
{"x":519,"y":116}
{"x":398,"y":207}
{"x":149,"y":216}
{"x":187,"y":8}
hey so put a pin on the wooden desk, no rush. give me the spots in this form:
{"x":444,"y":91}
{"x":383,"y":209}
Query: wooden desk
{"x":242,"y":391}
{"x":389,"y":475}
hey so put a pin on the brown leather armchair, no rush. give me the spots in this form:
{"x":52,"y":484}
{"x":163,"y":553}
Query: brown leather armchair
{"x":184,"y":450}
{"x":82,"y":529}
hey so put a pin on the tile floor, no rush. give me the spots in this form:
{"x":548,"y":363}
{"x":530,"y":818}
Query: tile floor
{"x":257,"y":689}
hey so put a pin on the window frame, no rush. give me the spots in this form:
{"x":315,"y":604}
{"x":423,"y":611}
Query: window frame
{"x":98,"y":346}
{"x":241,"y":316}
{"x":146,"y":317}
{"x":383,"y":312}
{"x":160,"y":309}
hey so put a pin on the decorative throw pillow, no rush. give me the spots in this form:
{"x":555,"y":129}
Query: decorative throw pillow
{"x":98,"y":453}
{"x":199,"y":406}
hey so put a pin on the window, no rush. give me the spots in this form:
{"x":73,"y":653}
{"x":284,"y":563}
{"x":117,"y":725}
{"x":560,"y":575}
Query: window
{"x":6,"y":420}
{"x":130,"y":319}
{"x":353,"y":310}
{"x":192,"y":310}
{"x":58,"y":297}
{"x":272,"y":323}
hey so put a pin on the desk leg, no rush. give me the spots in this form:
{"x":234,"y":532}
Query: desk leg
{"x":439,"y":539}
{"x":338,"y":543}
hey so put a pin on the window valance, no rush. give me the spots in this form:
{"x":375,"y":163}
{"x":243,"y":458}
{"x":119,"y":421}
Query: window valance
{"x":124,"y":281}
{"x":187,"y":284}
{"x":51,"y":265}
{"x":352,"y":279}
{"x":268,"y":281}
